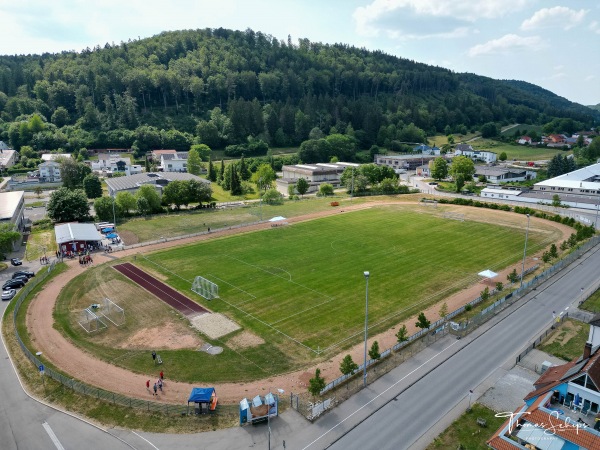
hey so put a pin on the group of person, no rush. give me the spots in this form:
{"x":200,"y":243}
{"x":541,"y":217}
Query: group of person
{"x":158,"y":385}
{"x":44,"y":260}
{"x":85,"y":260}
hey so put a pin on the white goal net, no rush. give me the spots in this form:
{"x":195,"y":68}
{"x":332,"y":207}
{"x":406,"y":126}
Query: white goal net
{"x":90,"y":321}
{"x":205,"y":288}
{"x":113,"y":312}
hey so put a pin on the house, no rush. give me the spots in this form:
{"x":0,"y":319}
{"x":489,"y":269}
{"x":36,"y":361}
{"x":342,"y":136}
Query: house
{"x":315,"y":174}
{"x":559,"y":413}
{"x":503,"y":175}
{"x":155,"y":154}
{"x":50,"y":172}
{"x":159,"y":180}
{"x":8,"y":158}
{"x":110,"y":163}
{"x":402,"y":163}
{"x":523,"y":140}
{"x":476,"y":155}
{"x":173,"y":162}
{"x":76,"y":237}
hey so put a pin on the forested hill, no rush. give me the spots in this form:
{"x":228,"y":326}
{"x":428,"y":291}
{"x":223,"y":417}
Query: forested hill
{"x":220,"y":86}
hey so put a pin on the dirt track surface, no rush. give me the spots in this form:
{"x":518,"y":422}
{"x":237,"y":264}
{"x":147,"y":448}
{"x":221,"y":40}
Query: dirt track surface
{"x":84,"y":366}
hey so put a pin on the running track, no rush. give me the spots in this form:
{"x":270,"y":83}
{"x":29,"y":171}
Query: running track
{"x":165,"y":293}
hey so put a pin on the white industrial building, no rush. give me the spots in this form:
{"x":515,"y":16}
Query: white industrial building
{"x":315,"y":174}
{"x":158,"y":180}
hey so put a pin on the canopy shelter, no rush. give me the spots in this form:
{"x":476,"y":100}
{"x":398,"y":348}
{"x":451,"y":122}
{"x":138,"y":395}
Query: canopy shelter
{"x":107,"y":230}
{"x":277,"y":219}
{"x":112,"y":235}
{"x":76,"y":237}
{"x":487,"y":274}
{"x":205,"y":400}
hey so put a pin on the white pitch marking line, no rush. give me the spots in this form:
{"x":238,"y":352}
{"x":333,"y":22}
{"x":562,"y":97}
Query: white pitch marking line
{"x":53,"y":437}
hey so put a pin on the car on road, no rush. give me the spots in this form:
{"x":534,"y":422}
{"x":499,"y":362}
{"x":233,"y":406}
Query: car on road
{"x":12,"y":284}
{"x":16,"y":261}
{"x":23,"y":278}
{"x":8,"y":294}
{"x":23,"y":273}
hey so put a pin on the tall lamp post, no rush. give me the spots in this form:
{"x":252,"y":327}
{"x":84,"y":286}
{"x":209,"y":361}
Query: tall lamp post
{"x":114,"y":215}
{"x":366,"y":328}
{"x":524,"y":251}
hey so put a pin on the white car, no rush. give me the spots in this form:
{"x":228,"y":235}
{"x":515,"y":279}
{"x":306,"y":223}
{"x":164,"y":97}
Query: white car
{"x":8,"y":294}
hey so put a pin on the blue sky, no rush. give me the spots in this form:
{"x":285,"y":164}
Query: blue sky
{"x":554,"y":44}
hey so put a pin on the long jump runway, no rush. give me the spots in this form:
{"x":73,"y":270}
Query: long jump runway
{"x":161,"y":290}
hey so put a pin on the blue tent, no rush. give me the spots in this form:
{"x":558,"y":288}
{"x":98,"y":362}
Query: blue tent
{"x":203,"y":396}
{"x":107,"y":230}
{"x":112,"y":235}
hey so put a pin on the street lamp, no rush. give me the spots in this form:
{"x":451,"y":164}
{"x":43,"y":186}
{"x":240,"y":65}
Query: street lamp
{"x":281,"y":391}
{"x":366,"y":329}
{"x":524,"y":251}
{"x":114,"y":215}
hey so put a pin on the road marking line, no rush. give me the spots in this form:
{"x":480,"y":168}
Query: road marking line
{"x":55,"y":440}
{"x":380,"y":394}
{"x":142,"y":437}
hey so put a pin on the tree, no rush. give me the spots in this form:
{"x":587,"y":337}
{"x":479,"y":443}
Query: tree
{"x":202,"y":150}
{"x":546,"y":257}
{"x":235,"y":184}
{"x":8,"y":236}
{"x":316,"y":384}
{"x":92,"y":186}
{"x":440,"y":169}
{"x":325,"y":189}
{"x":513,"y":277}
{"x":126,"y":201}
{"x":556,"y":201}
{"x":348,"y":366}
{"x":194,"y":162}
{"x":553,"y":251}
{"x":459,"y":180}
{"x":174,"y":193}
{"x":104,"y":209}
{"x":302,"y":186}
{"x":489,"y":130}
{"x":374,"y":351}
{"x":272,"y":197}
{"x":66,"y":205}
{"x":38,"y":191}
{"x":485,"y":294}
{"x":149,"y":192}
{"x":461,"y":165}
{"x":291,"y":190}
{"x":243,"y":170}
{"x":221,"y":176}
{"x":422,"y":321}
{"x":503,"y":156}
{"x":443,"y":310}
{"x":143,"y":206}
{"x":499,"y":286}
{"x":212,"y":171}
{"x":264,"y":177}
{"x":402,"y":334}
{"x":72,"y":173}
{"x":198,"y":191}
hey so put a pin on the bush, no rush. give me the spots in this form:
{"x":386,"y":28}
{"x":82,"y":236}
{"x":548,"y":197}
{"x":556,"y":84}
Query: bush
{"x":273,"y":197}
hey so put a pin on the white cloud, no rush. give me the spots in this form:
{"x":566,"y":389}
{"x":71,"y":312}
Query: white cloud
{"x":559,"y":67}
{"x":381,"y":15}
{"x":507,"y":44}
{"x":558,"y":16}
{"x":589,"y":78}
{"x":594,"y":27}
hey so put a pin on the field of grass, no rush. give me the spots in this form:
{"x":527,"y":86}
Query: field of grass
{"x":518,"y":152}
{"x":38,"y":242}
{"x":305,"y":282}
{"x":567,"y":341}
{"x":592,"y":304}
{"x":189,"y":222}
{"x":465,"y":433}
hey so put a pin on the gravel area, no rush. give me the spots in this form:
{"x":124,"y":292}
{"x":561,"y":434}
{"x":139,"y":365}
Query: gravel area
{"x":508,"y":393}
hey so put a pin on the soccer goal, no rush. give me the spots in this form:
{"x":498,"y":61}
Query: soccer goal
{"x":113,"y":312}
{"x":205,"y":288}
{"x":90,"y":321}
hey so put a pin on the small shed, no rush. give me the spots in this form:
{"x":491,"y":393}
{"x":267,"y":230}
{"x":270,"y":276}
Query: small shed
{"x":205,"y":400}
{"x":259,"y":410}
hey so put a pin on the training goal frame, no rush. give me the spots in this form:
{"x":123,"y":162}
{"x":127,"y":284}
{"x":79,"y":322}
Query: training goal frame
{"x":90,"y":321}
{"x":205,"y":288}
{"x":112,"y":312}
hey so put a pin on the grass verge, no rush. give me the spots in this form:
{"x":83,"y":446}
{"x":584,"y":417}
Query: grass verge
{"x":567,"y":341}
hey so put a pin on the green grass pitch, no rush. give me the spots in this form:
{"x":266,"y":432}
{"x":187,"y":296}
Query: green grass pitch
{"x":304,"y":283}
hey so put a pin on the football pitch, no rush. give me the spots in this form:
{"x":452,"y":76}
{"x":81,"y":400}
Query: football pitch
{"x":303,"y":284}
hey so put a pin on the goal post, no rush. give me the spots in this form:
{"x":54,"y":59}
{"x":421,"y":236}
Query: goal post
{"x":90,"y":321}
{"x":205,"y":288}
{"x":113,"y":312}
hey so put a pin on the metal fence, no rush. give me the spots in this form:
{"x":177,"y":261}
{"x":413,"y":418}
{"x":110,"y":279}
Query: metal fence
{"x":82,"y":388}
{"x":541,"y":338}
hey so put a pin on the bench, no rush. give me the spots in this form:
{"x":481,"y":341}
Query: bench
{"x":481,"y":422}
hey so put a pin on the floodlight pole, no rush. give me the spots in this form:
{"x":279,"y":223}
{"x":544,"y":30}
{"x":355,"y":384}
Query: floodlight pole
{"x":597,"y":210}
{"x":259,"y":189}
{"x":114,"y":215}
{"x":352,"y":188}
{"x":524,"y":251}
{"x":366,"y":328}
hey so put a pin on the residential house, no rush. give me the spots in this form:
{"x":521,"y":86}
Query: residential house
{"x":49,"y":172}
{"x":8,"y":158}
{"x":173,"y":162}
{"x":155,"y":154}
{"x":496,"y":174}
{"x":3,"y":146}
{"x":524,"y":140}
{"x":54,"y":156}
{"x":560,"y":412}
{"x":476,"y":155}
{"x":109,"y":163}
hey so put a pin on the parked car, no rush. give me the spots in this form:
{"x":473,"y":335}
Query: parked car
{"x":23,"y":278}
{"x":12,"y":284}
{"x":16,"y":261}
{"x":22,"y":273}
{"x":8,"y":294}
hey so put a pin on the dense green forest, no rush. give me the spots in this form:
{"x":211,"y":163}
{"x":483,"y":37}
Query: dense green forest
{"x":221,"y":87}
